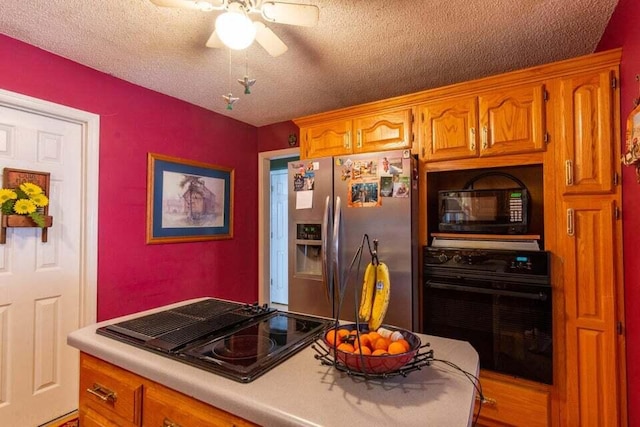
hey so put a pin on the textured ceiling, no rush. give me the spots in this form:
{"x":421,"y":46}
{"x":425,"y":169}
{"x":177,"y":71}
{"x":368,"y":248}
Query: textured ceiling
{"x":360,"y":51}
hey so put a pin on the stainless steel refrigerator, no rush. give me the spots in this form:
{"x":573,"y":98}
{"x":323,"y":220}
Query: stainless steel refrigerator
{"x":333,"y":203}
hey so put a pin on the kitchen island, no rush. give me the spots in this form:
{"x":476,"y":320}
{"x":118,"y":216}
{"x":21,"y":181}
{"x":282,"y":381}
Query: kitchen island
{"x":301,"y":391}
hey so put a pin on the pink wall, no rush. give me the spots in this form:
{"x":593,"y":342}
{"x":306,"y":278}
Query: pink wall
{"x":276,"y":136}
{"x":624,"y":31}
{"x":134,"y":121}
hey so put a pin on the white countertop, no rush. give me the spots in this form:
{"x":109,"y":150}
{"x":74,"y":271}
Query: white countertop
{"x":302,"y":392}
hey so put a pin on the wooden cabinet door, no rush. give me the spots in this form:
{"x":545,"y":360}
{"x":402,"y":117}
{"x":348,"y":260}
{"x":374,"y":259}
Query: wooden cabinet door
{"x":512,"y":121}
{"x":587,"y":131}
{"x":326,"y":139}
{"x":448,"y":129}
{"x":384,"y":131}
{"x":109,"y":391}
{"x":166,"y":407}
{"x":588,"y":246}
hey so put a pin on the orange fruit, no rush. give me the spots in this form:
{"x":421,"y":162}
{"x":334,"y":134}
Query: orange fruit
{"x":331,"y":336}
{"x":382,"y":344}
{"x":379,"y":352}
{"x":374,"y":335}
{"x":343,"y":333}
{"x":405,"y":343}
{"x":366,"y":351}
{"x":365,"y":341}
{"x":396,"y":348}
{"x":346,"y":347}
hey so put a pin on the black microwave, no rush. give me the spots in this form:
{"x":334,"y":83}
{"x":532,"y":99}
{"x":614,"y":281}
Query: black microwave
{"x":491,"y":211}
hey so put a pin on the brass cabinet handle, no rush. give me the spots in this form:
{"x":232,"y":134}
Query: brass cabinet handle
{"x":485,"y":137}
{"x":359,"y":143}
{"x":568,"y":172}
{"x":472,"y":138}
{"x":570,"y":222}
{"x":168,"y":423}
{"x":347,"y":140}
{"x":486,"y":400}
{"x":103,"y":393}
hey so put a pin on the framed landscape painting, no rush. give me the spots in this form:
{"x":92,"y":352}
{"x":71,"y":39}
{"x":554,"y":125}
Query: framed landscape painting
{"x":188,"y":201}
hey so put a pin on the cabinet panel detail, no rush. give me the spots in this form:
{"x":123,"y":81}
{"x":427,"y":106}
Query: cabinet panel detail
{"x":596,"y":405}
{"x":449,"y":129}
{"x":383,"y":132}
{"x":587,"y":128}
{"x":512,"y":121}
{"x":327,"y":139}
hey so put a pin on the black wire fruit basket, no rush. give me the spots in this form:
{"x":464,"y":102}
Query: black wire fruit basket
{"x":374,"y":366}
{"x":414,"y":356}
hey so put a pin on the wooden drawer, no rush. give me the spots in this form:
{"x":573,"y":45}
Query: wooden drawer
{"x":166,"y":407}
{"x":109,"y":391}
{"x":511,"y":403}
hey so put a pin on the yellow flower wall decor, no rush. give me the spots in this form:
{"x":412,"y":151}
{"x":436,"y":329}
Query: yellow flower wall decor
{"x":27,"y":200}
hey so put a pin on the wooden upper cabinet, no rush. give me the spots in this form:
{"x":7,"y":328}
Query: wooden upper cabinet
{"x":327,"y":139}
{"x":500,"y":122}
{"x":449,"y":129}
{"x":586,"y":125}
{"x":383,"y":132}
{"x":512,"y":121}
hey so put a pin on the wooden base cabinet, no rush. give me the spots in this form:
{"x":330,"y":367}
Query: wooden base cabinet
{"x":510,"y":402}
{"x":113,"y":397}
{"x":593,"y":394}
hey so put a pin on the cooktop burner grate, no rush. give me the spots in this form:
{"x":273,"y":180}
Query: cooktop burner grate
{"x":155,"y":325}
{"x":179,"y":337}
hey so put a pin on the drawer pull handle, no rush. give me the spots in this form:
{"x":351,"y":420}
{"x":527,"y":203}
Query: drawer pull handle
{"x":168,"y":423}
{"x":103,"y":393}
{"x":487,"y":400}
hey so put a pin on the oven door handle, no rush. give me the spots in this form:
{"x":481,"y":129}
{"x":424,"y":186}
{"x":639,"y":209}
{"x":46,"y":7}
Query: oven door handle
{"x":541,"y":296}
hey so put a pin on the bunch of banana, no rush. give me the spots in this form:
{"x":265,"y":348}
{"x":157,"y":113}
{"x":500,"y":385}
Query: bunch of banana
{"x":374,"y":300}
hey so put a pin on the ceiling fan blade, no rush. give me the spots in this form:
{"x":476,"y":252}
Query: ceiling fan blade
{"x":305,"y":15}
{"x":214,"y":41}
{"x":268,"y":40}
{"x":204,"y":5}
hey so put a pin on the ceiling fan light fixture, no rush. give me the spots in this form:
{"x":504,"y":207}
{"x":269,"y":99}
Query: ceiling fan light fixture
{"x":235,"y":29}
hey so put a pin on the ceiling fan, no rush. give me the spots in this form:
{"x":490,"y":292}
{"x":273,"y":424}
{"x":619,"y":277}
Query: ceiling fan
{"x":236,"y":23}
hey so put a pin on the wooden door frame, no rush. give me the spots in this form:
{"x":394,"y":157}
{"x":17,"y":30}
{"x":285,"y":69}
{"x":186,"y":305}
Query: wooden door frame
{"x":264,"y":218}
{"x":90,"y":124}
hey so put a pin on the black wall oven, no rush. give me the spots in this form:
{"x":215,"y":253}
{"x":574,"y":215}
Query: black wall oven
{"x":497,"y":300}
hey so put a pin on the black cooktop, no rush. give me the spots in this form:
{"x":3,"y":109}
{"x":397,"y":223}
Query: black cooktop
{"x":239,"y":341}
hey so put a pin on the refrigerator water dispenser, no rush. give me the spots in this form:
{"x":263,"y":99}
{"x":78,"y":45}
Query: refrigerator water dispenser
{"x":308,"y":255}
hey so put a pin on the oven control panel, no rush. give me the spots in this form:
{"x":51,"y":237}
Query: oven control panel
{"x":491,"y":260}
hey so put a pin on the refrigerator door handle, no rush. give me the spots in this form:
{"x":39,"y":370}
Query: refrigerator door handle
{"x":326,"y":270}
{"x":337,"y":219}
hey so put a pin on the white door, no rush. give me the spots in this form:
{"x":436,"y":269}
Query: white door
{"x":279,"y":223}
{"x":40,"y":282}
